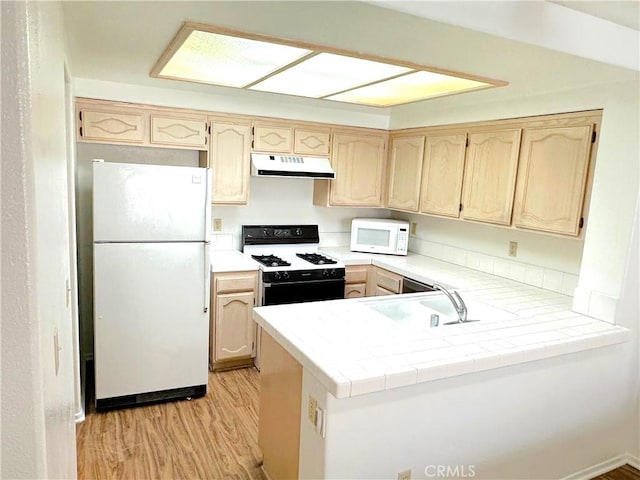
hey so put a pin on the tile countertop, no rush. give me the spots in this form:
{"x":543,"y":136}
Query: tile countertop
{"x":231,"y":261}
{"x":354,"y":350}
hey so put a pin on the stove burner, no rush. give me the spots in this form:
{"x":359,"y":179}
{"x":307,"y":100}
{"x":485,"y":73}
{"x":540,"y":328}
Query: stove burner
{"x":316,"y":258}
{"x":270,"y":260}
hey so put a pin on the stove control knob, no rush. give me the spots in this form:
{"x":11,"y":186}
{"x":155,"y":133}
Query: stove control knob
{"x":277,"y":275}
{"x":298,"y":232}
{"x":285,"y":275}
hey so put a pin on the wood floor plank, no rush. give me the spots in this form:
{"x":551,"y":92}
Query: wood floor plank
{"x":213,"y":437}
{"x":626,"y":472}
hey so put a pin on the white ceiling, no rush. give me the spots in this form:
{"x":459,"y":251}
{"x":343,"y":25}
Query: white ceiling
{"x":121,"y":41}
{"x":625,"y":13}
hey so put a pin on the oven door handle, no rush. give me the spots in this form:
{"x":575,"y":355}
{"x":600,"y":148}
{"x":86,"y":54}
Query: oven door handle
{"x":303,"y":282}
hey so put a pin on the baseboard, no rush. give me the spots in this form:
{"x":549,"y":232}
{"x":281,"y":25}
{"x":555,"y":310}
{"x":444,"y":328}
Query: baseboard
{"x":604,"y":467}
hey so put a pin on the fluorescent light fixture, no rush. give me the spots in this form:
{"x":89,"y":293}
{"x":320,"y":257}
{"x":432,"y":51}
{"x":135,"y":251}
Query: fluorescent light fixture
{"x":408,"y":88}
{"x":327,"y":73}
{"x":206,"y":54}
{"x":225,"y":60}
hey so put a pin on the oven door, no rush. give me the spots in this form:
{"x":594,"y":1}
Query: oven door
{"x":297,"y":292}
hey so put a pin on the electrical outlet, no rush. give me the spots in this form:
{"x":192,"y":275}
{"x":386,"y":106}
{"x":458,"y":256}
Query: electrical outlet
{"x":312,"y":409}
{"x":217,"y":224}
{"x":513,"y":249}
{"x":414,"y":227}
{"x":404,"y":475}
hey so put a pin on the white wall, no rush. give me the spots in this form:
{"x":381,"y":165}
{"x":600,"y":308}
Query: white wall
{"x":38,"y":429}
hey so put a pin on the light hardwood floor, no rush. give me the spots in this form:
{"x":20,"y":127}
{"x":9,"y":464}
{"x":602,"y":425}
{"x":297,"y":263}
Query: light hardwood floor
{"x":213,"y":437}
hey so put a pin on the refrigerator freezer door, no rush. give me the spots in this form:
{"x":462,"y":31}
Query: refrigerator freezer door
{"x":151,"y":331}
{"x":149,"y":203}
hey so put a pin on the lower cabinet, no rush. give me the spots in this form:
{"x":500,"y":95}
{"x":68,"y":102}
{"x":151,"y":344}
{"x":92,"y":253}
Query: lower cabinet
{"x":385,"y":282}
{"x":233,"y":331}
{"x":356,"y":278}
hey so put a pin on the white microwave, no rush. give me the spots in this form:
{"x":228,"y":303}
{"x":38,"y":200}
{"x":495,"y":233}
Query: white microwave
{"x":379,"y":235}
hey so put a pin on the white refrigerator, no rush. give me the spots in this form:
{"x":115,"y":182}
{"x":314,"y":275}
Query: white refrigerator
{"x":151,"y":229}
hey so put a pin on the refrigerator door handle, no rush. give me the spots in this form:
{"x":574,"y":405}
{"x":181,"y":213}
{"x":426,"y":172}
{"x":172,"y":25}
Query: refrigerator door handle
{"x":207,"y":276}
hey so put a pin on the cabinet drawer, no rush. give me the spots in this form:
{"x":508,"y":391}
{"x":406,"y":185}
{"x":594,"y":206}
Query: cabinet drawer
{"x":388,"y":281}
{"x":180,"y":132}
{"x":356,"y":275}
{"x":235,"y":283}
{"x":104,"y":126}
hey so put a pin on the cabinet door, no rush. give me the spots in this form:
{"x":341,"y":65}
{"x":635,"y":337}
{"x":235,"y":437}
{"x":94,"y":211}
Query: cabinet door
{"x":389,"y":281}
{"x":273,"y":139}
{"x":490,"y":176}
{"x":405,"y":172}
{"x":552,"y":177}
{"x":311,"y":142}
{"x":179,"y":131}
{"x":358,"y":161}
{"x":235,"y":330}
{"x":355,"y":290}
{"x":112,"y":126}
{"x":229,"y":158}
{"x":442,"y":176}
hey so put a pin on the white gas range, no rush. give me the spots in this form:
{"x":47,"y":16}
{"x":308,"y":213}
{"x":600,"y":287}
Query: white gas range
{"x":292,"y":269}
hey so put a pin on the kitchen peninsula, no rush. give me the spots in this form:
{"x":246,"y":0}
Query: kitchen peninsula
{"x":360,"y":395}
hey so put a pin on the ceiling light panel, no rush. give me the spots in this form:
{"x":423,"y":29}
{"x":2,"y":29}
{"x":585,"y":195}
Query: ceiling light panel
{"x":227,"y":60}
{"x":408,"y":88}
{"x":327,"y":73}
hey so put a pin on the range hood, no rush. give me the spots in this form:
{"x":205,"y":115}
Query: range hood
{"x":264,"y":165}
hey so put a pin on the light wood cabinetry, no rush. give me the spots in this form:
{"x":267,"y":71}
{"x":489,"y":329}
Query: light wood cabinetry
{"x":291,"y":139}
{"x":111,"y":125}
{"x":552,"y":178}
{"x":442,"y":177}
{"x":356,"y":280}
{"x":280,"y":410}
{"x":359,"y":161}
{"x":272,"y":138}
{"x":233,"y":331}
{"x":385,"y":282}
{"x":490,"y":176}
{"x":116,"y":122}
{"x":405,"y":172}
{"x":312,"y":142}
{"x":179,"y":131}
{"x":229,"y":158}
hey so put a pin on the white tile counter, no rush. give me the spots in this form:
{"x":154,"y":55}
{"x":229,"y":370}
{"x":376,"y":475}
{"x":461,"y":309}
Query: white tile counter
{"x":353,"y":350}
{"x":231,"y":261}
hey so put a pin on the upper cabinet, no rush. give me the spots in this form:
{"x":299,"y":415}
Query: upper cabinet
{"x":272,"y":138}
{"x":490,"y":176}
{"x":358,"y":158}
{"x":111,"y":125}
{"x":113,"y":122}
{"x":179,"y":130}
{"x":405,"y":172}
{"x":442,"y":174}
{"x":291,"y":139}
{"x":552,"y":178}
{"x":229,"y":158}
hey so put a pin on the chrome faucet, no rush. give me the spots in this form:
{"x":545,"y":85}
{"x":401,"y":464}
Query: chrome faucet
{"x":456,"y":300}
